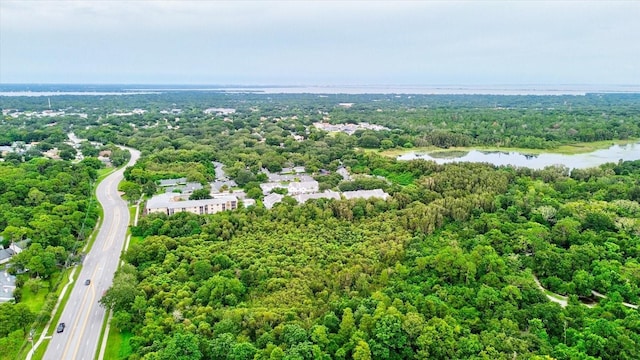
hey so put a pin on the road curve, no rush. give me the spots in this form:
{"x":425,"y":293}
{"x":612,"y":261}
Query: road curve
{"x":82,"y":314}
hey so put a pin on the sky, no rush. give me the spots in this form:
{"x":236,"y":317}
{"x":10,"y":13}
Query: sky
{"x":320,"y":42}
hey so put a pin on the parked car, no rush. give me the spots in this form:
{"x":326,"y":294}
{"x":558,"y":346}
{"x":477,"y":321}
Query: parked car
{"x":60,"y":328}
{"x":87,"y":282}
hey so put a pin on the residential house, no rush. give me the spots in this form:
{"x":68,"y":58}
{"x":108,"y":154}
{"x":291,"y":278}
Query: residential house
{"x":5,"y":255}
{"x":7,"y":286}
{"x":13,"y":249}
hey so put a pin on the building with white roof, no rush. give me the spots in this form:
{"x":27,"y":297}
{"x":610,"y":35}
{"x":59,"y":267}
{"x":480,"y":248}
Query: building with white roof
{"x":268,"y":187}
{"x":173,"y":182}
{"x":303,"y":187}
{"x":365,"y":194}
{"x":170,"y":204}
{"x":270,"y":200}
{"x":248,"y":202}
{"x":329,"y":194}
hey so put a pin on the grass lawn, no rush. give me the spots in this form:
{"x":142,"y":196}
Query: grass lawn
{"x":135,"y":240}
{"x":34,"y":301}
{"x":132,"y":213}
{"x":118,"y":346}
{"x":102,"y":173}
{"x":577,"y":148}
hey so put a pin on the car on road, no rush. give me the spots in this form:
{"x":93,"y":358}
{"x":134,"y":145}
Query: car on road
{"x":87,"y":282}
{"x":60,"y":328}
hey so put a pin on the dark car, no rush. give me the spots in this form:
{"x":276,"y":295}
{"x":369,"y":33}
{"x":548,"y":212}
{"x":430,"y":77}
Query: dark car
{"x":87,"y":282}
{"x":60,"y":328}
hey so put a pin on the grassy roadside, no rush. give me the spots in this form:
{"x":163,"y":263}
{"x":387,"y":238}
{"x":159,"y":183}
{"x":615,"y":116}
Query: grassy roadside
{"x":39,"y":353}
{"x":571,"y":149}
{"x":118,"y":346}
{"x":56,"y":317}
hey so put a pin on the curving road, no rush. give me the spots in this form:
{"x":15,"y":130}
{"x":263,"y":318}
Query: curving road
{"x":82,"y":314}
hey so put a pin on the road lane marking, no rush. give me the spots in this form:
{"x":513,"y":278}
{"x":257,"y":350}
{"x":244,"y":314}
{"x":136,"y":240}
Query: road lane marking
{"x":111,"y":235}
{"x":84,"y":324}
{"x":77,"y":318}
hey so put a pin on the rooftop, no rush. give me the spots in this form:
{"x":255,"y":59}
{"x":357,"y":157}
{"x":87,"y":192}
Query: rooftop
{"x":173,"y":182}
{"x":271,"y":200}
{"x":7,"y":285}
{"x":170,"y":201}
{"x":365,"y":194}
{"x":329,"y":194}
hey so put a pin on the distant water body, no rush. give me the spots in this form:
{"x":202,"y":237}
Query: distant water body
{"x":98,"y":90}
{"x":576,"y":161}
{"x":73,"y":93}
{"x":445,"y":90}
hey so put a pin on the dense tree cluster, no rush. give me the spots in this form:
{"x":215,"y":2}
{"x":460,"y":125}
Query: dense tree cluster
{"x":444,"y":269}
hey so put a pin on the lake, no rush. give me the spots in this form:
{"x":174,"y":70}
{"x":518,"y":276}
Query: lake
{"x":537,"y":161}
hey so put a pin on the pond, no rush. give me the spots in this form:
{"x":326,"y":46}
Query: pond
{"x":534,"y":161}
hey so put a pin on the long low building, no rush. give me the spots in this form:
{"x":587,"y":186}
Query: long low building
{"x":170,"y":204}
{"x":272,"y":199}
{"x":365,"y":194}
{"x":328,"y":194}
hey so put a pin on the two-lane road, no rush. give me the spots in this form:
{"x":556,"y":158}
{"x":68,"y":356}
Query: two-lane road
{"x":82,"y":314}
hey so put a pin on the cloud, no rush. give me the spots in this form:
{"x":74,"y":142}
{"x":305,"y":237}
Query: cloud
{"x":348,"y":41}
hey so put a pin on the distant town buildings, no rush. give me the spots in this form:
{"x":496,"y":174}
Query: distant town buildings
{"x":14,"y":113}
{"x":129,"y":113}
{"x":171,"y":112}
{"x":348,"y":129}
{"x":219,"y":111}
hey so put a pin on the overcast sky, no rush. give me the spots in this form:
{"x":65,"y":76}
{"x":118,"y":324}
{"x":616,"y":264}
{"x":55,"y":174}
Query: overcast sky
{"x":320,"y":42}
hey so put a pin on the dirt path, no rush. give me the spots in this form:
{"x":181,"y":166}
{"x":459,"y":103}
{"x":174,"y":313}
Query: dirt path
{"x":602,"y":296}
{"x":556,"y":298}
{"x":563,"y":300}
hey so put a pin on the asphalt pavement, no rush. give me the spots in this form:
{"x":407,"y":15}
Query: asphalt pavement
{"x":83,"y":315}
